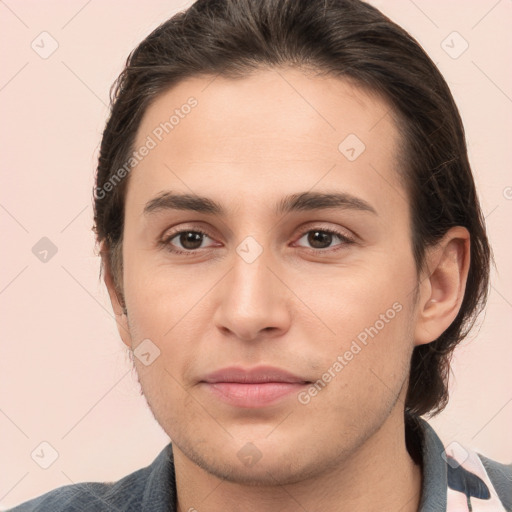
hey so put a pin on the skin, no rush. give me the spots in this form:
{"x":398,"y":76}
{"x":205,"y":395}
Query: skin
{"x":245,"y":145}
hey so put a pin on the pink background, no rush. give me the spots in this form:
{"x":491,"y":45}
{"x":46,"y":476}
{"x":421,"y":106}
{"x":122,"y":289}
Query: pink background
{"x":64,"y":371}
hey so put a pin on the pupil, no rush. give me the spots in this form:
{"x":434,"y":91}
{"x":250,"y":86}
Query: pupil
{"x":314,"y":237}
{"x":192,"y":238}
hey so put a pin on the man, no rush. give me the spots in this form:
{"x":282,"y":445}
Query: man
{"x":293,"y":246}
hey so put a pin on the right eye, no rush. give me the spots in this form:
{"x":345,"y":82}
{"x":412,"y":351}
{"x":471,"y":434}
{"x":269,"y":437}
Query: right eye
{"x":190,"y":239}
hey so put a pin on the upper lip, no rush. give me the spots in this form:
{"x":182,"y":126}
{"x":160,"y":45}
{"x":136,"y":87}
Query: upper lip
{"x":254,"y":375}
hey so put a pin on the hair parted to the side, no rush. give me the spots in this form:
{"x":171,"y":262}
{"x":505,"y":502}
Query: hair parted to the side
{"x":353,"y":41}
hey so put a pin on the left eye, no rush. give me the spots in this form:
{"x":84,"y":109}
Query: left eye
{"x":319,"y":238}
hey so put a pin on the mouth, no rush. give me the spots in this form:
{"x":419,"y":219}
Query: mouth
{"x":252,"y":388}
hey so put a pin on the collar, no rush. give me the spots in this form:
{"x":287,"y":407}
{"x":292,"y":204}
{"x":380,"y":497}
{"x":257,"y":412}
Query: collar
{"x":454,"y":477}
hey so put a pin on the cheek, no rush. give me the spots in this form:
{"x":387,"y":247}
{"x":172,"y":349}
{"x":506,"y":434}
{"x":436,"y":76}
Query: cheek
{"x":158,"y":298}
{"x":363,"y":373}
{"x":349,"y":300}
{"x":371,"y":316}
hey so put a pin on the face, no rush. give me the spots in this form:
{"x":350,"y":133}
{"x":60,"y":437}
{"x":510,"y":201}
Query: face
{"x":320,"y":287}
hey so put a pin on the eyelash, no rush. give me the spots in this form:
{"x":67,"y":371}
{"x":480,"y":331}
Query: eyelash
{"x":167,"y":245}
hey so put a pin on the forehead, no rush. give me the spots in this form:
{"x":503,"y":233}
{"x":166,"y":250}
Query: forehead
{"x":263,"y":131}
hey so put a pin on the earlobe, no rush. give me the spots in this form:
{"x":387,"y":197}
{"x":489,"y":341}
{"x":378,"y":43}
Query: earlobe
{"x":118,"y":305}
{"x":442,"y":291}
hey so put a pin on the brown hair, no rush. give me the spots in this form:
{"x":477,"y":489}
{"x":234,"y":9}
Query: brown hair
{"x":345,"y":38}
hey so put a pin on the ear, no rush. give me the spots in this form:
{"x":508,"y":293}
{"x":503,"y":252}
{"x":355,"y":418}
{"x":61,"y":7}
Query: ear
{"x":442,"y":285}
{"x":115,"y":299}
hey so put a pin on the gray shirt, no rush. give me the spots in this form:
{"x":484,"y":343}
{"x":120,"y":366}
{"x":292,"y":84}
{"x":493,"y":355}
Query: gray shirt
{"x":453,"y":480}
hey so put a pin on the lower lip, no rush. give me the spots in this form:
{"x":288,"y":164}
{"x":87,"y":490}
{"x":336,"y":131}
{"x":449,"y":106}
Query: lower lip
{"x":253,"y":395}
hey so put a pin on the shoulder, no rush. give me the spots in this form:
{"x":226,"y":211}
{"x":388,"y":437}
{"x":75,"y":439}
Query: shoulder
{"x":91,"y":496}
{"x":500,"y":476}
{"x":458,"y":478}
{"x":127,"y":494}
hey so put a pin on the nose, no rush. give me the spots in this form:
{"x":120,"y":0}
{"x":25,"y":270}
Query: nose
{"x":253,"y":300}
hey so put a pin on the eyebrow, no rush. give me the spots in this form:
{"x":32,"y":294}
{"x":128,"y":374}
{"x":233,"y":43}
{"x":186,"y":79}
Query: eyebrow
{"x":305,"y":201}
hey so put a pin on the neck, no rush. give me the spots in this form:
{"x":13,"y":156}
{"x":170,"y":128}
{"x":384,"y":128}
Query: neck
{"x":379,"y":475}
